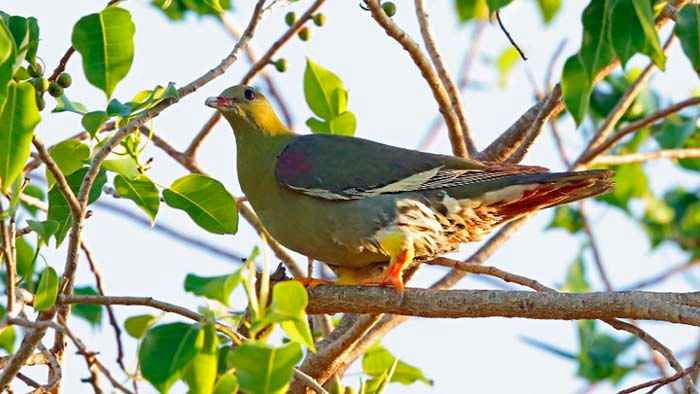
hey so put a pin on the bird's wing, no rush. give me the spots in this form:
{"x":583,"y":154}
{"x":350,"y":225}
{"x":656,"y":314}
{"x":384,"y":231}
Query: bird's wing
{"x":345,"y":168}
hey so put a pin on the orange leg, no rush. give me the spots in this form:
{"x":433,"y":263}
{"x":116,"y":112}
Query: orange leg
{"x":393,"y":275}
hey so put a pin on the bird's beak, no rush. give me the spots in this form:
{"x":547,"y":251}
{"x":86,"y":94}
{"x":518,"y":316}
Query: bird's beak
{"x":219,"y":102}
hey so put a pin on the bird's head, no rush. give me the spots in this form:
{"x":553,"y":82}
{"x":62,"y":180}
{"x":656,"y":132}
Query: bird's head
{"x":247,"y":109}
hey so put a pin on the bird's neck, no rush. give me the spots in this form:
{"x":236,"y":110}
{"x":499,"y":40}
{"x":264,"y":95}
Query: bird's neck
{"x":256,"y":158}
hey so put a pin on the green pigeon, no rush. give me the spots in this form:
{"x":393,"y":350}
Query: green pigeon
{"x":370,"y":210}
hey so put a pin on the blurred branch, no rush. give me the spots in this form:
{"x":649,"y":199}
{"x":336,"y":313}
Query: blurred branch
{"x":673,"y":154}
{"x":447,"y":83}
{"x":662,"y":276}
{"x":660,"y":382}
{"x":8,"y":255}
{"x":110,"y":311}
{"x":409,"y":45}
{"x":635,"y":126}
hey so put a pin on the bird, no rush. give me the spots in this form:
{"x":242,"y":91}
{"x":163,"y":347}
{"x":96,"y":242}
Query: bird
{"x":368,"y":210}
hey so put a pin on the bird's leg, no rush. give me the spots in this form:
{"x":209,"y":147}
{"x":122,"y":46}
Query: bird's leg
{"x":399,"y":245}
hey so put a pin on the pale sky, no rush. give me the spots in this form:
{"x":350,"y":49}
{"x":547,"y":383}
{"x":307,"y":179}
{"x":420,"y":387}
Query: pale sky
{"x":393,"y":105}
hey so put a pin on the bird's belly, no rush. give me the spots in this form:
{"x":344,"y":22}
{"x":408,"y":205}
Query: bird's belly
{"x":338,"y":233}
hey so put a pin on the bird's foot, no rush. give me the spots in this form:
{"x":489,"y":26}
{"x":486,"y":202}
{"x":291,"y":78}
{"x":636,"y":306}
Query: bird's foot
{"x":391,"y":277}
{"x":310,"y":283}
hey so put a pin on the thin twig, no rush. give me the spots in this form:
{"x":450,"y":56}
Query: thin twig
{"x":662,"y":276}
{"x":673,"y":154}
{"x":662,"y":381}
{"x":110,"y":312}
{"x":8,"y":255}
{"x":510,"y":39}
{"x":447,"y":83}
{"x":60,"y":179}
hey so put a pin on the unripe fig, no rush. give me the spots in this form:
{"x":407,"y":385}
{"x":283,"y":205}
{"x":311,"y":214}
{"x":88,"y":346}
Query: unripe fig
{"x":64,"y":80}
{"x":319,"y":19}
{"x":304,"y":34}
{"x":389,"y":8}
{"x":55,"y":90}
{"x":280,"y":65}
{"x":290,"y":18}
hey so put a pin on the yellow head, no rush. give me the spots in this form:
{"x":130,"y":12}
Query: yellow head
{"x":247,"y":109}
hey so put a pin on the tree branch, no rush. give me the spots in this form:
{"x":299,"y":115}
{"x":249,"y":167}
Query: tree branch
{"x":447,"y":83}
{"x":426,"y":70}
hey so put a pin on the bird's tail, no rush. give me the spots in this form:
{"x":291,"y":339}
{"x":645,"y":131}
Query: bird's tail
{"x":524,"y":193}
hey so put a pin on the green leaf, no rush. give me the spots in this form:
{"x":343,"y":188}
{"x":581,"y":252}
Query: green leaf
{"x":140,"y":190}
{"x":64,"y":104}
{"x":93,"y":121}
{"x":262,"y":369}
{"x":136,"y":326}
{"x":596,"y":51}
{"x":7,"y":59}
{"x":378,"y":360}
{"x":206,"y":201}
{"x":166,"y":350}
{"x":91,"y":313}
{"x":471,"y":9}
{"x":567,"y":218}
{"x":105,"y":41}
{"x":17,"y":121}
{"x":505,"y":63}
{"x":26,"y":258}
{"x":116,"y":108}
{"x":626,"y":31}
{"x":495,"y":5}
{"x":43,"y":229}
{"x":217,"y":288}
{"x":8,"y":337}
{"x":645,"y":13}
{"x":227,"y":383}
{"x":70,"y":156}
{"x":125,"y":166}
{"x":549,"y":9}
{"x":47,"y":290}
{"x":318,"y":126}
{"x":319,"y":86}
{"x":343,"y":124}
{"x":674,"y":132}
{"x":289,"y":300}
{"x":20,"y":33}
{"x":599,"y":352}
{"x":576,"y":88}
{"x":689,"y":34}
{"x":200,"y":374}
{"x":576,"y":281}
{"x":59,"y":211}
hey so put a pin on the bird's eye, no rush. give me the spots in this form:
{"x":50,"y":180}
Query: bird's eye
{"x":249,"y":94}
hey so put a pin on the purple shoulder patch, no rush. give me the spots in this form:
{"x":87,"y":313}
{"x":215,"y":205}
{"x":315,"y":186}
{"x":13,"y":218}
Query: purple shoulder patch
{"x":291,"y":164}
